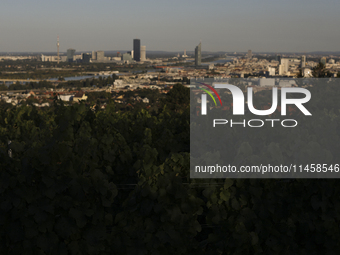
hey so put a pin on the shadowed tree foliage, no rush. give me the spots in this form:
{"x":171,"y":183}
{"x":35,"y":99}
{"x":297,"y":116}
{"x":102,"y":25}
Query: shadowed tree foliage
{"x":117,"y":182}
{"x":320,"y":71}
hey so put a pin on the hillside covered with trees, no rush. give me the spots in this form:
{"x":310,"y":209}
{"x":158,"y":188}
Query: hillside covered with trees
{"x":78,"y":181}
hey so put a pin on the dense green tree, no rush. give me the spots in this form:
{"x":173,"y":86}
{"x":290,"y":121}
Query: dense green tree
{"x":79,"y":181}
{"x":3,"y":87}
{"x":178,"y":97}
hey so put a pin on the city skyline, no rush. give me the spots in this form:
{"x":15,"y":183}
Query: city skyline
{"x":266,"y":26}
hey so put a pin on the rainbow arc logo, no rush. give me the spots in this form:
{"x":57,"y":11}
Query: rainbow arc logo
{"x":213,"y":90}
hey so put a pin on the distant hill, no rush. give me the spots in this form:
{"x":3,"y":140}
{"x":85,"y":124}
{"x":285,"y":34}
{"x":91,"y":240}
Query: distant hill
{"x":174,"y":53}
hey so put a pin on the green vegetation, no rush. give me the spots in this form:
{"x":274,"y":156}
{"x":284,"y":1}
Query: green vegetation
{"x":79,"y":181}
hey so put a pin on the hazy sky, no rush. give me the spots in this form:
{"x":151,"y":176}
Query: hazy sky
{"x":173,"y":25}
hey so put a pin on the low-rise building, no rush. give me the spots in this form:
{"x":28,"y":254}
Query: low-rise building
{"x":66,"y":97}
{"x":80,"y":96}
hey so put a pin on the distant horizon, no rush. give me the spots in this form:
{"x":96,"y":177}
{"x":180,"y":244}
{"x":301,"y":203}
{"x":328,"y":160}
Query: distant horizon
{"x":175,"y":52}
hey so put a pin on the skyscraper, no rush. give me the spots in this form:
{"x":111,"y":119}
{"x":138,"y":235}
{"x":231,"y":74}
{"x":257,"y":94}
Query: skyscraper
{"x":250,"y":54}
{"x":142,"y":53}
{"x":303,"y":61}
{"x":70,"y":54}
{"x":136,"y":49}
{"x":198,"y":55}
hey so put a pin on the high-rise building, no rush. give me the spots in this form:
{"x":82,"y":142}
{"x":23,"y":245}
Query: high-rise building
{"x":250,"y":54}
{"x":142,"y":53}
{"x":323,"y":60}
{"x":198,"y":55}
{"x":94,"y":55}
{"x":85,"y":57}
{"x":303,"y":61}
{"x":100,"y":56}
{"x":286,"y":61}
{"x":70,"y":54}
{"x":126,"y":57}
{"x":136,"y":49}
{"x":281,"y":69}
{"x":284,"y":65}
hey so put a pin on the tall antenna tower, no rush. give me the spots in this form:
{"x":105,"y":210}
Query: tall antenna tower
{"x":58,"y":49}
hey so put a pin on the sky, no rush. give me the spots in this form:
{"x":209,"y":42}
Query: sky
{"x":221,"y":25}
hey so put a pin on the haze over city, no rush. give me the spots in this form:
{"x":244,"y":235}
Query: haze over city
{"x":263,"y":26}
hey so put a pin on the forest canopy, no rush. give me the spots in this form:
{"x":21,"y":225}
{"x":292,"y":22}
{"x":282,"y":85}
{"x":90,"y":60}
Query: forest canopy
{"x":78,"y":181}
